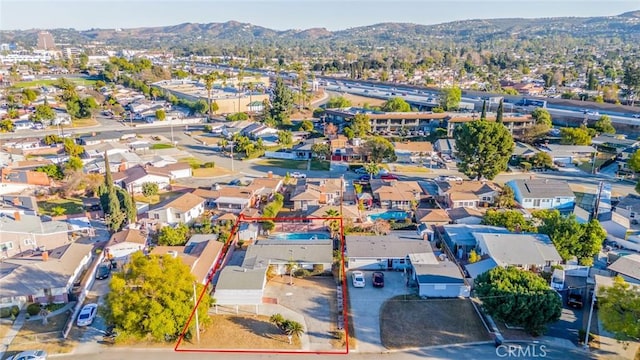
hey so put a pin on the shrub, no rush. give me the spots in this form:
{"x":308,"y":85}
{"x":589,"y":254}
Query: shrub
{"x":6,"y":312}
{"x":209,"y":164}
{"x":299,"y":272}
{"x":34,"y":309}
{"x":318,"y":268}
{"x":525,"y":166}
{"x":581,"y":335}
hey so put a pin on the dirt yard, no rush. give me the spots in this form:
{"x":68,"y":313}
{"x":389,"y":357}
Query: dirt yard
{"x":46,"y":337}
{"x":242,"y":332}
{"x":441,"y":322}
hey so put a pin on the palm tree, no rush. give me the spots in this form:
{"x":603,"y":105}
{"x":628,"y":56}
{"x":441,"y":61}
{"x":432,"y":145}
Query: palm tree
{"x":209,"y":80}
{"x":334,"y":225}
{"x":293,"y":328}
{"x":240,"y":78}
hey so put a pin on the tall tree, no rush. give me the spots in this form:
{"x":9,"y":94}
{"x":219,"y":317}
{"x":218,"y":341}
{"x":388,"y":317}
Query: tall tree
{"x":513,"y":220}
{"x":518,"y":297}
{"x":285,"y":138}
{"x":396,"y":104}
{"x":604,"y":125}
{"x":619,"y":309}
{"x":380,"y":149}
{"x":338,"y":102}
{"x":361,"y":125}
{"x":450,"y":98}
{"x":153,"y":299}
{"x":575,"y":136}
{"x":631,"y":78}
{"x":282,"y":103}
{"x":484,"y":148}
{"x":114,"y":217}
{"x":500,"y":112}
{"x":542,"y":116}
{"x":209,"y":80}
{"x":483,"y":114}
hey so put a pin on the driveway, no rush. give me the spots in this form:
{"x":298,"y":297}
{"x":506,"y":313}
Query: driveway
{"x":572,"y":320}
{"x":365,"y":308}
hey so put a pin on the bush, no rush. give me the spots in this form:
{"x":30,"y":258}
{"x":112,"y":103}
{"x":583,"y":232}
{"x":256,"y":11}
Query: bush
{"x":581,"y":335}
{"x":34,"y":309}
{"x":318,"y":268}
{"x":6,"y":312}
{"x":525,"y":166}
{"x":300,"y":273}
{"x":209,"y":165}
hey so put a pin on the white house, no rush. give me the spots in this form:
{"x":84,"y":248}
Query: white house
{"x":525,"y":251}
{"x":183,"y":209}
{"x":384,"y":252}
{"x":132,"y":178}
{"x":124,"y":243}
{"x":543,"y":194}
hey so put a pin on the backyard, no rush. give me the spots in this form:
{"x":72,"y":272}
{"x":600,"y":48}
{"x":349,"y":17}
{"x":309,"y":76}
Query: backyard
{"x":242,"y":332}
{"x":158,"y":198}
{"x":71,"y":206}
{"x":441,"y":322}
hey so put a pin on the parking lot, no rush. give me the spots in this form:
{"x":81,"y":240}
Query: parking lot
{"x":365,"y":308}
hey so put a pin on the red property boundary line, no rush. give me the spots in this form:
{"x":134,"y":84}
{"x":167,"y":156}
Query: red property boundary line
{"x":218,"y":266}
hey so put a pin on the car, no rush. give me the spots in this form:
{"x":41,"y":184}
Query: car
{"x":29,"y":355}
{"x":103,"y":272}
{"x":388,"y":177}
{"x":298,"y":175}
{"x":377,"y":279}
{"x":365,"y":178}
{"x":637,"y":116}
{"x":591,"y":112}
{"x":87,"y":315}
{"x":360,"y":170}
{"x":574,"y":300}
{"x":357,"y":277}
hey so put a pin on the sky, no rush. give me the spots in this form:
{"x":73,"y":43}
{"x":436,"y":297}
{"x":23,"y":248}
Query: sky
{"x":286,"y":14}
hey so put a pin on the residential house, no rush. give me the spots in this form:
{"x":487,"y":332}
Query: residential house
{"x":349,"y":212}
{"x":231,"y":199}
{"x":247,"y":231}
{"x":26,"y":178}
{"x":24,"y":205}
{"x":183,"y":209}
{"x":627,"y":266}
{"x":411,"y":152}
{"x":567,"y":154}
{"x":103,"y":137}
{"x":445,"y":146}
{"x":460,"y":238}
{"x":22,"y":233}
{"x":480,"y":267}
{"x":437,"y":278}
{"x":523,"y":150}
{"x":389,"y":122}
{"x":120,"y":161}
{"x":255,"y":107}
{"x":394,"y":194}
{"x":543,"y":194}
{"x":266,"y":187}
{"x":384,"y":252}
{"x":432,"y":217}
{"x":629,"y":207}
{"x":162,"y":161}
{"x":309,"y":194}
{"x":244,"y":285}
{"x":45,"y":277}
{"x":201,"y":254}
{"x":124,"y":243}
{"x":470,"y":194}
{"x":465,"y":215}
{"x":533,"y":252}
{"x":110,"y":148}
{"x":133,"y":178}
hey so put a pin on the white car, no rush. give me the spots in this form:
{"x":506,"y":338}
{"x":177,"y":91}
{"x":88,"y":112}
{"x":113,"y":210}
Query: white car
{"x":30,"y":355}
{"x":358,"y":279}
{"x":298,"y":175}
{"x":87,"y":315}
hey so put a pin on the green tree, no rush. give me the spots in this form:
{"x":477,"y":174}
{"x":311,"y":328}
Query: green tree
{"x":396,"y":104}
{"x":542,"y":116}
{"x":484,"y":148}
{"x":74,"y":163}
{"x":379,"y":150}
{"x":209,"y":80}
{"x":500,"y":112}
{"x":153,"y":298}
{"x":71,"y":148}
{"x":285,"y":138}
{"x":53,"y":139}
{"x":321,"y":150}
{"x":483,"y":114}
{"x":518,"y":297}
{"x":371,"y":168}
{"x":450,"y":98}
{"x":170,"y":236}
{"x":506,"y":199}
{"x":127,"y":205}
{"x":292,"y":329}
{"x":513,"y":220}
{"x":619,"y":309}
{"x":335,"y":102}
{"x":634,"y":161}
{"x":29,"y":95}
{"x":306,"y":125}
{"x":43,"y":112}
{"x":542,"y":159}
{"x":52,"y":170}
{"x":361,"y":125}
{"x":575,"y":136}
{"x":150,"y":189}
{"x":349,"y":133}
{"x":334,"y":225}
{"x":282,"y":103}
{"x":161,"y":115}
{"x":114,"y":217}
{"x":603,"y":125}
{"x":200,"y":107}
{"x":631,"y":79}
{"x":268,"y":225}
{"x":6,"y":125}
{"x":58,"y":210}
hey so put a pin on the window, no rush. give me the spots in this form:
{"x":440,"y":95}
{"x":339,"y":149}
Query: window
{"x":6,"y":246}
{"x":527,"y":200}
{"x":156,"y":216}
{"x":178,"y":214}
{"x":29,"y":242}
{"x":536,"y":202}
{"x":47,"y":292}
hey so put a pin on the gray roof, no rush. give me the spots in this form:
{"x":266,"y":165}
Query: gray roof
{"x":630,"y":202}
{"x":239,"y":278}
{"x":391,"y":246}
{"x":614,"y":140}
{"x":31,"y":224}
{"x":19,"y":202}
{"x":445,"y":272}
{"x":445,"y":145}
{"x":524,"y":149}
{"x":480,"y":267}
{"x":628,"y":265}
{"x":463,"y":234}
{"x":569,"y":150}
{"x":519,"y":249}
{"x":541,"y":188}
{"x":265,"y":252}
{"x":27,"y":276}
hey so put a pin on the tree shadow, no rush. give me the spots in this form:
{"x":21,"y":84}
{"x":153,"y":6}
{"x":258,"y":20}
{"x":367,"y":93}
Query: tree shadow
{"x":258,"y":327}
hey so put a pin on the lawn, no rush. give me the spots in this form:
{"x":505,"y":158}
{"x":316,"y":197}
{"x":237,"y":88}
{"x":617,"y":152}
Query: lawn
{"x":160,"y":146}
{"x":72,"y":206}
{"x":242,"y":332}
{"x":441,"y":322}
{"x":193,"y":162}
{"x":211,"y":172}
{"x":409,"y":169}
{"x":295,"y":164}
{"x":601,"y":158}
{"x":84,"y":122}
{"x":47,"y":337}
{"x":50,"y":82}
{"x":155,"y":199}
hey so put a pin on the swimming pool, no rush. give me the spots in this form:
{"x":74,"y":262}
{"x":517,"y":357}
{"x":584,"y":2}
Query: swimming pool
{"x":300,"y":236}
{"x":390,"y":215}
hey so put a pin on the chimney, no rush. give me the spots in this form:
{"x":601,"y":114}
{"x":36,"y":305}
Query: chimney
{"x":45,"y":255}
{"x":16,"y":216}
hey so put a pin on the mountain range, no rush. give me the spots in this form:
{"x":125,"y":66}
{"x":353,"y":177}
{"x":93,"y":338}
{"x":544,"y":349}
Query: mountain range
{"x":625,"y":27}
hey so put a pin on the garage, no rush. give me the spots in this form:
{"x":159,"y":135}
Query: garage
{"x":240,"y":286}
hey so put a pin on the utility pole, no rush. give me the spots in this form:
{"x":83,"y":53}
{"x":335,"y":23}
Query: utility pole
{"x":195,"y":301}
{"x":586,"y":336}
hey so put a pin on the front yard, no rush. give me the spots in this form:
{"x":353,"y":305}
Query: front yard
{"x":441,"y":322}
{"x":71,"y":206}
{"x":46,"y":337}
{"x":155,"y":199}
{"x":295,"y":164}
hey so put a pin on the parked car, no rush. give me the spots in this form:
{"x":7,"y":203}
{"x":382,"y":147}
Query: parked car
{"x":357,"y":277}
{"x":298,"y":175}
{"x":29,"y":355}
{"x":87,"y":315}
{"x":574,"y":300}
{"x":637,"y":116}
{"x":377,"y":279}
{"x":360,"y":170}
{"x":103,"y":272}
{"x":388,"y":177}
{"x":365,"y":177}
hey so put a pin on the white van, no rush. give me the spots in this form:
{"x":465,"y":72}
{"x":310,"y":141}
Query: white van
{"x":557,"y":280}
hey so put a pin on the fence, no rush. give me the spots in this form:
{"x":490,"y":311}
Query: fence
{"x":83,"y":295}
{"x":36,"y":338}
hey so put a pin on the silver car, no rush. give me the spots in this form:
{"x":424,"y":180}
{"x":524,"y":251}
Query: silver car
{"x":30,"y":355}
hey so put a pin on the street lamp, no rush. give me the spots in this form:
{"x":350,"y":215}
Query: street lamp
{"x":232,"y":146}
{"x":291,"y":267}
{"x":586,"y":336}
